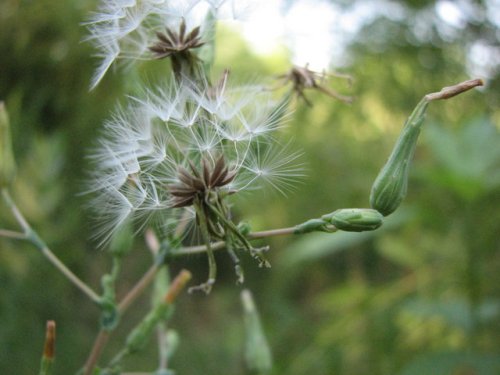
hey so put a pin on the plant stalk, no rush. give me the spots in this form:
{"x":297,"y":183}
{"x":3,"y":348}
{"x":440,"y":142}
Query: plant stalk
{"x":33,"y":237}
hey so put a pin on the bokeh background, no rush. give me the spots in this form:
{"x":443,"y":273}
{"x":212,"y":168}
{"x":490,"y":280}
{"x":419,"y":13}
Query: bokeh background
{"x":419,"y":296}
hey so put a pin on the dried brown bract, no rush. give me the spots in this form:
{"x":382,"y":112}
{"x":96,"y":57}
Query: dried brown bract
{"x":176,"y":43}
{"x":199,"y":184}
{"x":303,"y":78}
{"x":177,"y":46}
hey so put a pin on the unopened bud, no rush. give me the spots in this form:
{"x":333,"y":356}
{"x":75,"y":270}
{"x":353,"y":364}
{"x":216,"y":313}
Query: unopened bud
{"x":49,"y":349}
{"x":355,"y":219}
{"x":7,"y":163}
{"x":390,"y":186}
{"x":258,"y":355}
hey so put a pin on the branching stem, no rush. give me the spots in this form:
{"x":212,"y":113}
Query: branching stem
{"x":33,"y":237}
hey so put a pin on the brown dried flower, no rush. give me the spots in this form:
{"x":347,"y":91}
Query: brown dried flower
{"x":199,"y":184}
{"x":303,"y":78}
{"x":172,"y":43}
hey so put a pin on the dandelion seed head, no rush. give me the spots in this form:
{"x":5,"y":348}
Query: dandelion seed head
{"x":146,"y":143}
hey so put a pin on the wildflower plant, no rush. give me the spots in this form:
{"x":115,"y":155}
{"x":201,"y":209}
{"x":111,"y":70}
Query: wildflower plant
{"x":169,"y":161}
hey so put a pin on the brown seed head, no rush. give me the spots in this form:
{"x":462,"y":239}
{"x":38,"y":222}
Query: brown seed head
{"x":303,"y":78}
{"x":199,"y":183}
{"x":173,"y":42}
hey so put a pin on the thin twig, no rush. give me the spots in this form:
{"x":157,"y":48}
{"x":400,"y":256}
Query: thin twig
{"x":33,"y":237}
{"x":149,"y":276}
{"x":451,"y":91}
{"x":97,"y":348}
{"x":272,"y":233}
{"x":138,"y":288}
{"x":12,"y":234}
{"x":221,"y":244}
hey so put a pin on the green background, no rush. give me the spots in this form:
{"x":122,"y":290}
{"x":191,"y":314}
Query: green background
{"x":419,"y":296}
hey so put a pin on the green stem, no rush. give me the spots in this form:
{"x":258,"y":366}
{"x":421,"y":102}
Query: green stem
{"x":33,"y":237}
{"x":222,"y":244}
{"x":212,"y":264}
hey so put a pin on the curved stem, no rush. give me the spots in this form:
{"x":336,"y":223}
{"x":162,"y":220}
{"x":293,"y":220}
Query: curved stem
{"x":33,"y":237}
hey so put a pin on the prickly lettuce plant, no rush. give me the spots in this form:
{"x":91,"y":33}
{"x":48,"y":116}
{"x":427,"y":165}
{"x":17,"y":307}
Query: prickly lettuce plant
{"x":169,"y":161}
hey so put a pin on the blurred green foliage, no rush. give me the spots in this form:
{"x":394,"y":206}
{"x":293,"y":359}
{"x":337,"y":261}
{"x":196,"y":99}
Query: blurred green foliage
{"x":419,"y":296}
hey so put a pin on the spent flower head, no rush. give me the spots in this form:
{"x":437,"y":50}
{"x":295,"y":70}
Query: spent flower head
{"x":145,"y":29}
{"x":302,"y":78}
{"x":184,"y":145}
{"x":132,"y":30}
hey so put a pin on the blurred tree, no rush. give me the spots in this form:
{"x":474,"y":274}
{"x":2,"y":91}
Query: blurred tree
{"x":415,"y":295}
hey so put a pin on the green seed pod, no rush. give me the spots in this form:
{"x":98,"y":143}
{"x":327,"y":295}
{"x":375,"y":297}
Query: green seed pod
{"x":390,"y":186}
{"x":355,"y":219}
{"x":7,"y":162}
{"x":258,"y":357}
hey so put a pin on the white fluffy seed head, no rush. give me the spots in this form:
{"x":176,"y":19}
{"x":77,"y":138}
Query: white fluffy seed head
{"x":125,"y":29}
{"x":144,"y":144}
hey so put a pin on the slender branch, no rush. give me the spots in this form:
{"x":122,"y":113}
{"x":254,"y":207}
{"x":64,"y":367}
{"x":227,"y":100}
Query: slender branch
{"x":138,"y":288}
{"x":12,"y":234}
{"x":69,"y":274}
{"x":103,"y":335}
{"x":272,"y":233}
{"x":451,"y":91}
{"x":33,"y":237}
{"x":221,"y":244}
{"x":97,"y":348}
{"x":149,"y":276}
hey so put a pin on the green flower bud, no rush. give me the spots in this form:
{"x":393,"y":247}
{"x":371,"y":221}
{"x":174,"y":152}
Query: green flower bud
{"x":244,"y":228}
{"x":355,"y":219}
{"x":7,"y":162}
{"x":390,"y":186}
{"x":258,"y":355}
